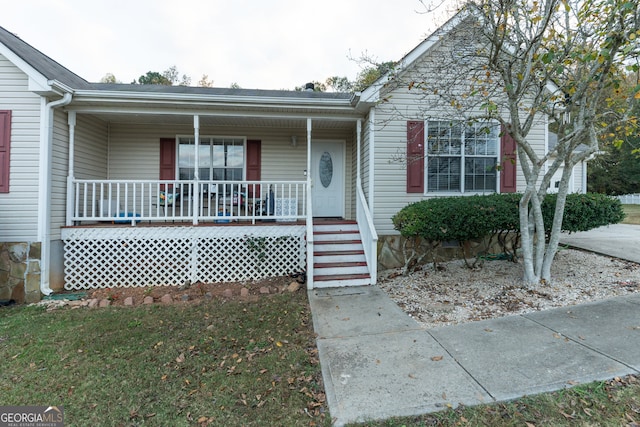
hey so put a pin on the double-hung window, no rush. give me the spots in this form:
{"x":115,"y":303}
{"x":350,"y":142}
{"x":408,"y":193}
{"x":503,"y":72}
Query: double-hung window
{"x":219,"y":159}
{"x":461,"y":157}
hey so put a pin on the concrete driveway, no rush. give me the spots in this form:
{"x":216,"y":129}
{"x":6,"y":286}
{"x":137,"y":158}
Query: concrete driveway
{"x":617,"y":240}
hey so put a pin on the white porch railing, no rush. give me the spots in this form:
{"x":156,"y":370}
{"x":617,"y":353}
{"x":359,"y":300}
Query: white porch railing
{"x":131,"y":201}
{"x":367,"y":233}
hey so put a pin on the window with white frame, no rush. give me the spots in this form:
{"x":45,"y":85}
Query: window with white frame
{"x":461,"y":157}
{"x":219,"y":159}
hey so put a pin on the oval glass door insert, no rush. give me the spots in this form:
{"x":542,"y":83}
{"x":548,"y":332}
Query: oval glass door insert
{"x":326,"y":169}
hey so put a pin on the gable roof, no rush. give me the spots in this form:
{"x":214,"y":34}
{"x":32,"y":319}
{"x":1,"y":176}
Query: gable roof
{"x":372,"y":93}
{"x":47,"y":67}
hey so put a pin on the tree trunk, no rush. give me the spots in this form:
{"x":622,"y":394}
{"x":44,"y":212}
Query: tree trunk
{"x":556,"y":230}
{"x":527,"y":238}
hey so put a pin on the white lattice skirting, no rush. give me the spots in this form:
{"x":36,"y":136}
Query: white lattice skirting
{"x":160,"y":256}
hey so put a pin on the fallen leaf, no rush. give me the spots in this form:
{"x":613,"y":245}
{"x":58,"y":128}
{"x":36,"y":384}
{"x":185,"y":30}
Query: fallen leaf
{"x":412,"y":376}
{"x":180,"y":358}
{"x":488,"y":330}
{"x":437,"y":358}
{"x":567,"y":416}
{"x":557,"y":335}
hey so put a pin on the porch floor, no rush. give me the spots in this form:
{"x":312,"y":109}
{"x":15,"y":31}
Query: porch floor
{"x":152,"y":224}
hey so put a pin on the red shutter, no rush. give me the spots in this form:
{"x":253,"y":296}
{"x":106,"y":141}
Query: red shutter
{"x":415,"y":157}
{"x":508,"y":163}
{"x":167,"y":158}
{"x":5,"y":145}
{"x":254,"y":153}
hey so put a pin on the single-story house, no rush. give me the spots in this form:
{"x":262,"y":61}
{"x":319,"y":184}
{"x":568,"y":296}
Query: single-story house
{"x":99,"y":185}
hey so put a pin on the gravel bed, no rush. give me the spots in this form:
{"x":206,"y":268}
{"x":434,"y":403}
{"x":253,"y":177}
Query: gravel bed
{"x":455,"y":294}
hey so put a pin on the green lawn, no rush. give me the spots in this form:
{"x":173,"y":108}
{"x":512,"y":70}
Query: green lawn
{"x":613,"y":403}
{"x":216,"y":363}
{"x":226,"y":363}
{"x":632,"y":214}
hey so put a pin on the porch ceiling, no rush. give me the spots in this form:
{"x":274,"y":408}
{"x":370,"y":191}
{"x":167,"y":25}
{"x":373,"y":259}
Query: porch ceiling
{"x":225,"y":120}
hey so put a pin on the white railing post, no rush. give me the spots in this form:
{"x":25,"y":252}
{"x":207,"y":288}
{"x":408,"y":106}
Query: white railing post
{"x":196,"y":173}
{"x":363,"y":216}
{"x":71,"y":121}
{"x":309,"y":216}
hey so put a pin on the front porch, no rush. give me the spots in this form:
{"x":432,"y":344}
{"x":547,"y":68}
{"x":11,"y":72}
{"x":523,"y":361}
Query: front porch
{"x":171,"y":233}
{"x":167,"y":194}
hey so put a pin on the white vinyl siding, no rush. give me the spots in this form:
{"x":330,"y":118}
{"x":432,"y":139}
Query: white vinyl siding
{"x":391,"y":144}
{"x":19,"y":212}
{"x":90,"y":160}
{"x":59,"y":171}
{"x":134,"y":151}
{"x":91,"y":148}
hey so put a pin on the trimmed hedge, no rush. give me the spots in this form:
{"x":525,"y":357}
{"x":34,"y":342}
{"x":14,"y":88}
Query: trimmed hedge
{"x":465,"y":218}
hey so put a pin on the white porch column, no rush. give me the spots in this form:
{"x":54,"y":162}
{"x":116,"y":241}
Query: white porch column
{"x":371,"y":159}
{"x":71,"y":174}
{"x":309,"y":218}
{"x":196,"y":170}
{"x":358,"y":153}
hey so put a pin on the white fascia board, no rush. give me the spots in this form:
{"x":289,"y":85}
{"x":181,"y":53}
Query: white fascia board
{"x":318,"y":114}
{"x":194,"y":99}
{"x":372,"y":93}
{"x":37,"y":82}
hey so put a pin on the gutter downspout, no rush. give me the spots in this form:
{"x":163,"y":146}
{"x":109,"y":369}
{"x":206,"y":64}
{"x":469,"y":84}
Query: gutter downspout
{"x":44,"y":195}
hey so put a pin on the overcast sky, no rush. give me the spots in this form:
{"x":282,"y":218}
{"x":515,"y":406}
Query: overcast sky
{"x":265,"y":44}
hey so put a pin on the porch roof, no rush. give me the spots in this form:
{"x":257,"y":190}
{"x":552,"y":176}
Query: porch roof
{"x":129,"y":103}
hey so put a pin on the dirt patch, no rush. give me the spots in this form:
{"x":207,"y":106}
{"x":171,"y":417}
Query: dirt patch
{"x":193,"y":294}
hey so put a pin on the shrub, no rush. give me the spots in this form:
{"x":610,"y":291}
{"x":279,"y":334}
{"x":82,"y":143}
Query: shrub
{"x":465,"y":218}
{"x":583,"y":212}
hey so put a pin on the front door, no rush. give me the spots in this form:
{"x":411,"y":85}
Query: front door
{"x":327,"y":174}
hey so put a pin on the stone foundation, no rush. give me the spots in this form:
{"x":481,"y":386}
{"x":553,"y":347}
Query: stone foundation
{"x":393,"y":251}
{"x":20,"y":272}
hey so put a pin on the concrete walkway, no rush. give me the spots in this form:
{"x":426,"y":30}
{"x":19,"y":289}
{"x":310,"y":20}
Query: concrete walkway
{"x":378,"y":363}
{"x":617,"y":240}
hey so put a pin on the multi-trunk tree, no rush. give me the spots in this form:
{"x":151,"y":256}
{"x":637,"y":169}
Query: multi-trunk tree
{"x":523,"y":62}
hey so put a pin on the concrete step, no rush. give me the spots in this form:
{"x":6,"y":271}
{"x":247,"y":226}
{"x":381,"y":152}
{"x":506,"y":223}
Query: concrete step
{"x":331,"y":281}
